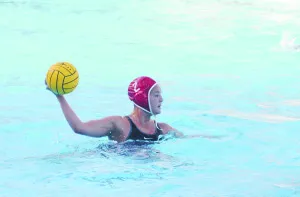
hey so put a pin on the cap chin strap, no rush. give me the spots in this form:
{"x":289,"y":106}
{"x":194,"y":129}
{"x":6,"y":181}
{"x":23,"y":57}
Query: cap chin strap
{"x":143,"y":108}
{"x":149,"y":98}
{"x":150,"y":106}
{"x":156,"y":125}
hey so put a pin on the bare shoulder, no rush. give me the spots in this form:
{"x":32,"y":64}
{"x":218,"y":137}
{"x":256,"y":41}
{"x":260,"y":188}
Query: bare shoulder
{"x":121,"y":127}
{"x":166,"y":128}
{"x":115,"y":118}
{"x":118,"y":121}
{"x":111,"y":119}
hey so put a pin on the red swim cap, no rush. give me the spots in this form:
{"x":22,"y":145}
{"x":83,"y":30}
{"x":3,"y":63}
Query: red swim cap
{"x":139,"y":92}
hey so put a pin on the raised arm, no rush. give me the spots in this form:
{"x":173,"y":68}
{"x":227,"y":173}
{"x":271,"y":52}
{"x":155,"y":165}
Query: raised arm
{"x":93,"y":128}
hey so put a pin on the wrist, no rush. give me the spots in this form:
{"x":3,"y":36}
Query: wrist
{"x":59,"y":97}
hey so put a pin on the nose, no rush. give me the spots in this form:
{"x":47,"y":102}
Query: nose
{"x":161,"y":99}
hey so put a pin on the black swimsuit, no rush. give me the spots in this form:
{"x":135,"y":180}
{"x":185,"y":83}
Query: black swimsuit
{"x":136,"y":134}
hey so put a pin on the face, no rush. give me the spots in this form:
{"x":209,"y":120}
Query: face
{"x":156,"y":100}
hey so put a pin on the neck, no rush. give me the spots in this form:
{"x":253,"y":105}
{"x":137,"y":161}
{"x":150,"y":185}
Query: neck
{"x":140,"y":116}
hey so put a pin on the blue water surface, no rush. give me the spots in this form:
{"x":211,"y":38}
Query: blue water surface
{"x":229,"y":71}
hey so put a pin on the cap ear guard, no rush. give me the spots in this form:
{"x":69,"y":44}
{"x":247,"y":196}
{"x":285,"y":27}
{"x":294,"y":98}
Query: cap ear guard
{"x":150,"y":99}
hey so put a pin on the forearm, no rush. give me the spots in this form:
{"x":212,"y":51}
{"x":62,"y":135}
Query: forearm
{"x":202,"y":136}
{"x":69,"y":114}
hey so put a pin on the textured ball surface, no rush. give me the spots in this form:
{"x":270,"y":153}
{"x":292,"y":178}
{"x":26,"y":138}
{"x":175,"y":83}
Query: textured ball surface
{"x":62,"y":78}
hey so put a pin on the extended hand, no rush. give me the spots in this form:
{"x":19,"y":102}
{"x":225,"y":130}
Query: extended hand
{"x":47,"y":88}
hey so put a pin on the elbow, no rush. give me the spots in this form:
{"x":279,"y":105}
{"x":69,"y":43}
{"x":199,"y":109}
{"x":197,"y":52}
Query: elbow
{"x":79,"y":129}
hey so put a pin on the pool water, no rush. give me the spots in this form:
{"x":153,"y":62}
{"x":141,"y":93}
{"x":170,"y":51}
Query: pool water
{"x":228,"y":70}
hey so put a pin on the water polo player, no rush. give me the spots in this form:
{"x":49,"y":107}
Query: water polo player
{"x":146,"y":96}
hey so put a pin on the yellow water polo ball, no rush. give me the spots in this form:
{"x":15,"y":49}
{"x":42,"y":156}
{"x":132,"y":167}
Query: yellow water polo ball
{"x":62,"y":78}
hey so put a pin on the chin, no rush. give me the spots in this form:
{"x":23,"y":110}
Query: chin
{"x":157,"y":112}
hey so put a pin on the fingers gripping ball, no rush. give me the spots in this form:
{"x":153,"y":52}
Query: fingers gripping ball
{"x":62,"y":78}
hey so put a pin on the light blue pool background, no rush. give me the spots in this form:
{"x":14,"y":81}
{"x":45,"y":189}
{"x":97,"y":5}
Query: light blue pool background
{"x":226,"y":69}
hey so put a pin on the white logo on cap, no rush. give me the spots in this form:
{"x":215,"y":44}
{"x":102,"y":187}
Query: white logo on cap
{"x":134,"y":87}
